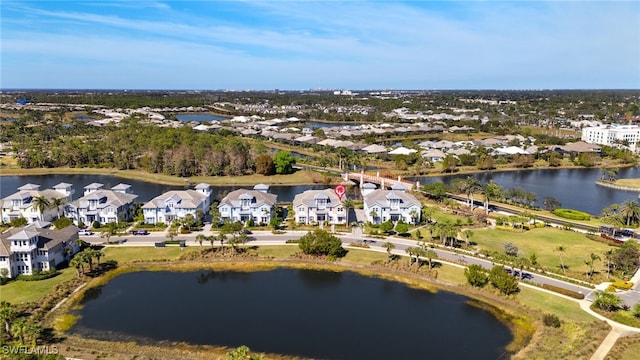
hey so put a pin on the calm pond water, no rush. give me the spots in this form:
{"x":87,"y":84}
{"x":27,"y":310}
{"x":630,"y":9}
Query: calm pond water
{"x":145,"y":190}
{"x":199,"y":117}
{"x":574,"y":188}
{"x":317,"y":314}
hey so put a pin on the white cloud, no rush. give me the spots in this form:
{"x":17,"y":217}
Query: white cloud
{"x":352,"y":44}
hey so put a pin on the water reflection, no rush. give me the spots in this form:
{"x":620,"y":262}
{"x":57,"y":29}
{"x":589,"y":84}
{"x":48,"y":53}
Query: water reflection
{"x":288,"y":311}
{"x":574,"y":188}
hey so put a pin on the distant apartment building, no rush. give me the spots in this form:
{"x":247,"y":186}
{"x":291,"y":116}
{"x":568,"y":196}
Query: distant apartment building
{"x":28,"y":249}
{"x":612,"y":135}
{"x":316,"y":206}
{"x":104,"y":206}
{"x":177,"y":204}
{"x":243,"y":204}
{"x":22,"y":204}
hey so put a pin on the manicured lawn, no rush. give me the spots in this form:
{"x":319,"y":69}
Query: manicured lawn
{"x":18,"y":291}
{"x":543,"y":243}
{"x":279,"y":251}
{"x":363,"y":256}
{"x":565,"y":309}
{"x":127,"y":254}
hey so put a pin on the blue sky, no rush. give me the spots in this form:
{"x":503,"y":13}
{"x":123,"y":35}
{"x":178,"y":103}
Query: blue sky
{"x":320,"y":44}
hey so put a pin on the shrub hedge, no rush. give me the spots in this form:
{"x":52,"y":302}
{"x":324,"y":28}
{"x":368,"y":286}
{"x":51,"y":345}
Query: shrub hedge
{"x":563,"y":291}
{"x":571,"y":214}
{"x":622,"y":285}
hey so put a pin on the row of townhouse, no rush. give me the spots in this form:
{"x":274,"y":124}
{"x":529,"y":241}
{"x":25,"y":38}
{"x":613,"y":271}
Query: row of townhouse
{"x":35,"y":247}
{"x":102,"y":205}
{"x":117,"y":204}
{"x":321,"y":206}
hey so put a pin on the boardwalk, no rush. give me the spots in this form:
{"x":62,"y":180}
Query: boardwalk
{"x":382,"y":182}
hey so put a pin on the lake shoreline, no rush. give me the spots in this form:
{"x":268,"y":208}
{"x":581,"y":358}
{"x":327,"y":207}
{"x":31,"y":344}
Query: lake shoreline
{"x":301,"y":177}
{"x":517,"y":319}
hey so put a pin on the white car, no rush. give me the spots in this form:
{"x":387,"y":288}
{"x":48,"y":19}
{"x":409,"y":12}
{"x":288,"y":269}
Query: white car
{"x":85,"y":232}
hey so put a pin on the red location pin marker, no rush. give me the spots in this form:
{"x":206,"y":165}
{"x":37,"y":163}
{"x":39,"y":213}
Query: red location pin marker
{"x":340,"y":190}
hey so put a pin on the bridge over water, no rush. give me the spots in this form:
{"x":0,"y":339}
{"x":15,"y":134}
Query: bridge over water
{"x":382,"y":182}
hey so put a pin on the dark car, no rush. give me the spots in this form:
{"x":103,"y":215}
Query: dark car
{"x":140,"y":232}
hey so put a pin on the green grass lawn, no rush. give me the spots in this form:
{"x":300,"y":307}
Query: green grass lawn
{"x":18,"y":291}
{"x":565,"y":309}
{"x":127,"y":254}
{"x":543,"y":243}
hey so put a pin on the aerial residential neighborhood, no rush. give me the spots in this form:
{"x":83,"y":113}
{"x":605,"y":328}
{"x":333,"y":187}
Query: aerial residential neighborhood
{"x":291,"y":180}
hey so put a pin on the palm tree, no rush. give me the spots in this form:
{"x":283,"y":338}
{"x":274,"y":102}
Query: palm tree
{"x":41,"y":203}
{"x":7,"y":314}
{"x":630,"y":211}
{"x":200,"y":238}
{"x":56,"y":203}
{"x":374,"y":216}
{"x":19,"y":329}
{"x":521,"y":262}
{"x":491,"y":192}
{"x":592,"y":258}
{"x":414,"y":216}
{"x":561,"y":249}
{"x":430,"y":255}
{"x":222,"y":237}
{"x":77,"y":263}
{"x":98,"y":254}
{"x":348,"y":205}
{"x":467,"y":234}
{"x":410,"y":251}
{"x":389,"y":246}
{"x":608,"y":255}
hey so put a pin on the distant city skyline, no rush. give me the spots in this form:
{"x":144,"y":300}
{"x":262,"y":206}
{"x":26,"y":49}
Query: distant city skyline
{"x":299,"y":45}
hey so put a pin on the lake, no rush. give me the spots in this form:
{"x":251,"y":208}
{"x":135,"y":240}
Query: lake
{"x":574,"y":188}
{"x":199,"y":117}
{"x":145,"y":190}
{"x":313,"y":314}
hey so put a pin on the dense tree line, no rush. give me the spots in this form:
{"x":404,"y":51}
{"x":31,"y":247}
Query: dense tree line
{"x":173,"y":151}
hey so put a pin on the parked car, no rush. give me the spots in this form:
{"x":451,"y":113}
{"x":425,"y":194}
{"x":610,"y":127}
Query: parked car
{"x":140,"y":232}
{"x":85,"y":232}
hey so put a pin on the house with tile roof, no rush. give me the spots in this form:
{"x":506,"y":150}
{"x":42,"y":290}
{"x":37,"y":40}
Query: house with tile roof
{"x":245,"y":204}
{"x":104,"y":206}
{"x":21,"y":203}
{"x":176,"y":204}
{"x":316,"y":206}
{"x":28,"y":249}
{"x":396,"y":204}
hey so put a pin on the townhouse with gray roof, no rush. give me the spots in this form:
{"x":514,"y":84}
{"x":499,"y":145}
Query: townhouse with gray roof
{"x":396,"y":204}
{"x":244,"y":204}
{"x":27,"y":249}
{"x":316,"y":206}
{"x":104,"y":206}
{"x":176,"y":204}
{"x":21,"y":203}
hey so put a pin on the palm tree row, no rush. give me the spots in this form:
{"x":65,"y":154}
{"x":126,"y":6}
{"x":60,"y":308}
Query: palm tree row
{"x":86,"y":256}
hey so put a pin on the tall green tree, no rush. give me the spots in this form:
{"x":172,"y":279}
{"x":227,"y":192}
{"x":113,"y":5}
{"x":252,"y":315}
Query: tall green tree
{"x":476,"y":275}
{"x":321,"y":243}
{"x":284,"y":162}
{"x":503,"y":281}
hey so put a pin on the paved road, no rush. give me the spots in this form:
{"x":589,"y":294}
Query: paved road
{"x":268,"y":238}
